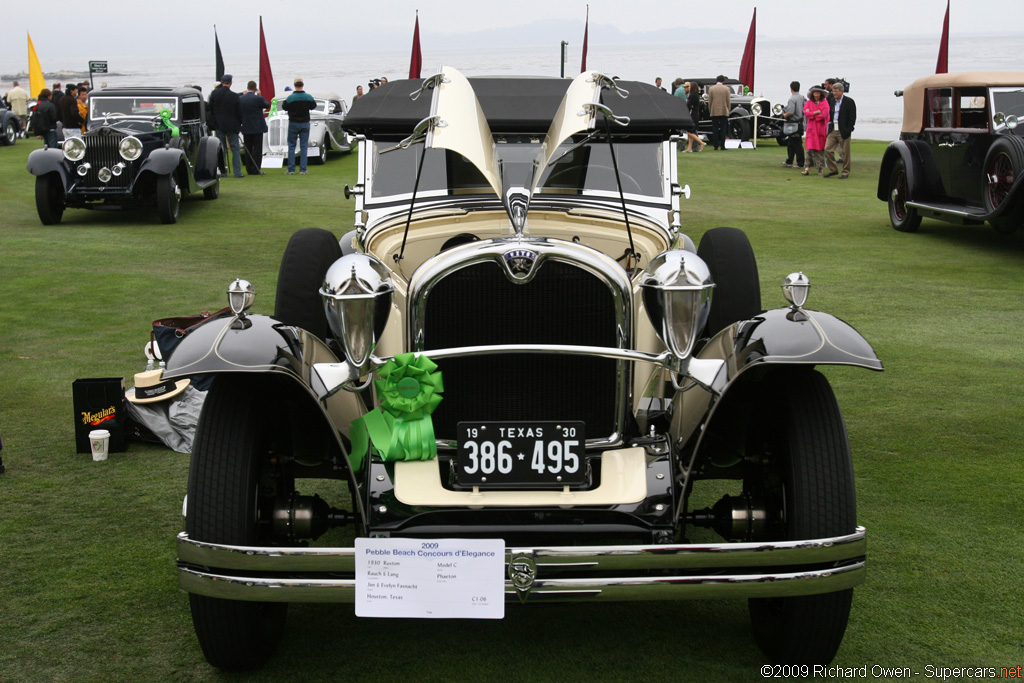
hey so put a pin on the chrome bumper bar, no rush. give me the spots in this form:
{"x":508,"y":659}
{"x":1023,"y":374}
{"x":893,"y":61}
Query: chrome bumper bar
{"x":549,"y":574}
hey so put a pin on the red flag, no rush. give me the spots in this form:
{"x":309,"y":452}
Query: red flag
{"x":416,"y":61}
{"x":266,"y":75}
{"x":586,"y":30}
{"x":218,"y":56}
{"x":747,"y":63}
{"x":942,"y":65}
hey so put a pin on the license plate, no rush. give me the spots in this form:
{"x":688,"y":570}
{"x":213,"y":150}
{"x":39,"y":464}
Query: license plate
{"x":521,"y":453}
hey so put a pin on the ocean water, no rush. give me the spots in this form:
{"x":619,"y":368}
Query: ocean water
{"x":874,"y":67}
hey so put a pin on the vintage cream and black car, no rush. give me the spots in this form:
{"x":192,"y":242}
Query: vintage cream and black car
{"x":517,"y":341}
{"x":143,"y":147}
{"x":742,"y":116}
{"x":960,"y":156}
{"x":326,"y":129}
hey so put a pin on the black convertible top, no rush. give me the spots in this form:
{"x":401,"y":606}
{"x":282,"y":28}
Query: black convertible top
{"x":516,"y":105}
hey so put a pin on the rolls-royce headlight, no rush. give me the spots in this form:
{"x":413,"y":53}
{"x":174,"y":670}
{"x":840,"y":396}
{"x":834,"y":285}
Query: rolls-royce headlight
{"x":130,"y":148}
{"x":357,"y":293}
{"x":677,"y":295}
{"x":755,"y":109}
{"x":74,"y":149}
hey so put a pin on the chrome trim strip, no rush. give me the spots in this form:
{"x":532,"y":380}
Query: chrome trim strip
{"x":943,"y":209}
{"x":711,"y":586}
{"x":624,"y":557}
{"x":597,"y":264}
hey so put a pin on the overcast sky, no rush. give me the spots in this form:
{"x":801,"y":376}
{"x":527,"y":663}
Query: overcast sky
{"x":73,"y":32}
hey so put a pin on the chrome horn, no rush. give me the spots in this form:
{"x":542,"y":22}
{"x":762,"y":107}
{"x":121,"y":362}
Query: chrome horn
{"x":357,"y":293}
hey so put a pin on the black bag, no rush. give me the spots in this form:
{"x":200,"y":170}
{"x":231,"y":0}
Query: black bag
{"x":99,"y":404}
{"x":168,"y":333}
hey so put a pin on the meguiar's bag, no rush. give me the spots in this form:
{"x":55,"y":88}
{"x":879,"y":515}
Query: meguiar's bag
{"x":99,"y":404}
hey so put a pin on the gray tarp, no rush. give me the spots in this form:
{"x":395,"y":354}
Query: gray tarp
{"x":173,"y":422}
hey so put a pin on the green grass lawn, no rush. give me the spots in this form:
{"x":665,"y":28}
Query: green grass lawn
{"x":87,"y":559}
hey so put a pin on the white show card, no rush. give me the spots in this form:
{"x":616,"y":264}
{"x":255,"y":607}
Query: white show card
{"x":443,"y":578}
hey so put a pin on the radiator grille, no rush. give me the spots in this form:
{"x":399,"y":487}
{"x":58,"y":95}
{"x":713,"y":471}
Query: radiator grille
{"x":563,"y":304}
{"x":101,"y":150}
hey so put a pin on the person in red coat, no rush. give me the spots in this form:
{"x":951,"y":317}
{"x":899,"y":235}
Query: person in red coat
{"x":816,"y":114}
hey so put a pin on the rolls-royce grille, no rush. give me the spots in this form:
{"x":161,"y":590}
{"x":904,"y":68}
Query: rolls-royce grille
{"x":101,"y":151}
{"x":563,"y":304}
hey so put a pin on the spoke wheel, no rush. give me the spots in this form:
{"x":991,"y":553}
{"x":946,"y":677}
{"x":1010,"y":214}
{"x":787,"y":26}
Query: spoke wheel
{"x":232,"y":476}
{"x":168,"y":198}
{"x":801,"y":469}
{"x":49,"y":198}
{"x":902,"y":217}
{"x":1003,"y":165}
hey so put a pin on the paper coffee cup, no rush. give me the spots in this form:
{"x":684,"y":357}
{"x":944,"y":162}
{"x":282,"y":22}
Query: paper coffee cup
{"x":99,"y":441}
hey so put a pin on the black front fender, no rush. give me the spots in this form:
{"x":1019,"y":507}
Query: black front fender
{"x":162,"y":161}
{"x":207,"y":160}
{"x":43,"y":161}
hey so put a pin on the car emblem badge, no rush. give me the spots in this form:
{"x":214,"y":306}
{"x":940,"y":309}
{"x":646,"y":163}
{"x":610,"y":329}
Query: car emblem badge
{"x":522,"y":570}
{"x":520,"y":263}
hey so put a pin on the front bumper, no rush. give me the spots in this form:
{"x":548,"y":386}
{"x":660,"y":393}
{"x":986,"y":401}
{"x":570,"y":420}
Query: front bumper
{"x":549,"y":574}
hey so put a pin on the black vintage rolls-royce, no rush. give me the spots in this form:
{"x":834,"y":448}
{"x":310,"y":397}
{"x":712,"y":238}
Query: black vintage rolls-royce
{"x":960,"y":156}
{"x":143,"y":147}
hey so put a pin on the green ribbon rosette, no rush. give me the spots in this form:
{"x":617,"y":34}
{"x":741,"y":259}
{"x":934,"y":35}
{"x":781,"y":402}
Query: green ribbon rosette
{"x":273,"y":107}
{"x":165,"y":123}
{"x":409,"y":388}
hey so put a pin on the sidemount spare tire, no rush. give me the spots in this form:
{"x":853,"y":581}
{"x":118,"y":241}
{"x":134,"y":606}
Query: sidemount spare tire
{"x":737,"y":294}
{"x":1004,"y":164}
{"x":310,"y":252}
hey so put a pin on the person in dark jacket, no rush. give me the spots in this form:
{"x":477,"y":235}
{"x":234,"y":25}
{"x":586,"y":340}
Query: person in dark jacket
{"x":226,"y":109}
{"x":67,"y":112}
{"x":842,"y":119}
{"x":298,"y":105}
{"x":253,"y":127}
{"x":56,"y":94}
{"x":44,"y":120}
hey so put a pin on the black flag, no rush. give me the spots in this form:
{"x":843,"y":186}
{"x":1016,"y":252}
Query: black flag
{"x":220,"y":57}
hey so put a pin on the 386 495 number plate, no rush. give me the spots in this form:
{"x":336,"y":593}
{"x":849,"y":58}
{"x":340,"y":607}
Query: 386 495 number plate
{"x":521,"y":453}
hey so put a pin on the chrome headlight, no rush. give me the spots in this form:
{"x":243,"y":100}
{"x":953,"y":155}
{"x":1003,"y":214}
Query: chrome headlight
{"x":83,"y":169}
{"x":778,"y":109}
{"x":130,"y":148}
{"x":74,"y":149}
{"x":241,"y":295}
{"x":755,"y":109}
{"x":677,"y":295}
{"x":357,"y":299}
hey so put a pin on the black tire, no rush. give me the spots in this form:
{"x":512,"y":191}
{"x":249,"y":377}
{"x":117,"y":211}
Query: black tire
{"x":1003,"y":164}
{"x":902,"y":217}
{"x":783,"y":140}
{"x":805,"y":477}
{"x":737,"y":294}
{"x":49,"y":198}
{"x":168,"y":199}
{"x":10,"y":132}
{"x":739,"y":129}
{"x":229,"y":461}
{"x":212,"y":191}
{"x":310,"y":252}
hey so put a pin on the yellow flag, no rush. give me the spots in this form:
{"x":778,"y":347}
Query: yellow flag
{"x":36,"y":82}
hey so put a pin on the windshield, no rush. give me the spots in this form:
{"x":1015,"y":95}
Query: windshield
{"x":143,"y":106}
{"x":1008,"y":102}
{"x":587,"y":168}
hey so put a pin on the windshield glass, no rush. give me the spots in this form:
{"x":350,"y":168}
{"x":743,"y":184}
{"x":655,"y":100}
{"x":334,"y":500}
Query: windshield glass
{"x":587,"y":168}
{"x":144,"y":106}
{"x":1008,"y":102}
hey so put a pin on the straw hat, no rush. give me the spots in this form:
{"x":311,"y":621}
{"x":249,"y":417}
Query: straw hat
{"x":151,"y":387}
